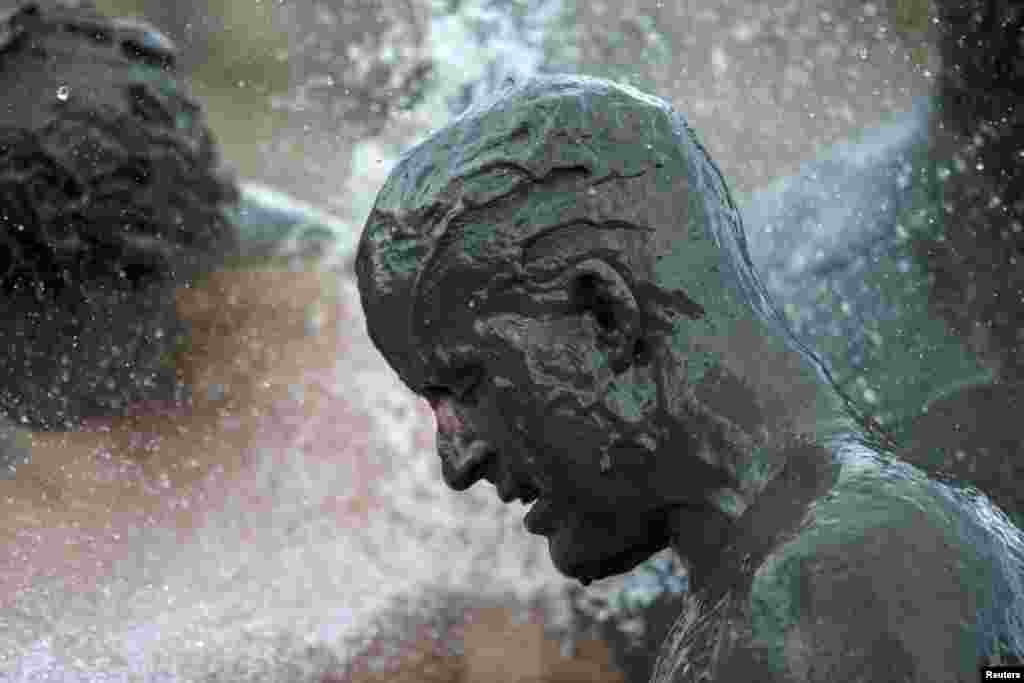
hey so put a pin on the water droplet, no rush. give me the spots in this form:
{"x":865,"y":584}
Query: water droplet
{"x":63,"y":92}
{"x":216,"y":392}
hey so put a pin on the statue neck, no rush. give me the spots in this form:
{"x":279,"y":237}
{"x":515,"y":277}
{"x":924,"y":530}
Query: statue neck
{"x":761,"y":403}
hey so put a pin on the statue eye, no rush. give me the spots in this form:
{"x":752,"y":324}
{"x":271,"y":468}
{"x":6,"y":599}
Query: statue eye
{"x":458,"y":381}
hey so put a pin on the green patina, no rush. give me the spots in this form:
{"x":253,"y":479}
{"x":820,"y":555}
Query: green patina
{"x":402,"y":257}
{"x":399,"y":255}
{"x":488,"y":186}
{"x":699,"y":359}
{"x":598,"y":361}
{"x":762,"y":466}
{"x":522,"y":136}
{"x":167,"y":84}
{"x":729,"y":502}
{"x":477,"y":240}
{"x":865,"y":502}
{"x":163,"y":80}
{"x":774,"y":608}
{"x":632,"y":401}
{"x":694,"y":266}
{"x":184,"y":120}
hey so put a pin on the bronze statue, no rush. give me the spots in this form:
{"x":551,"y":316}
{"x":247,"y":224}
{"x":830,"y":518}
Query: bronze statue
{"x":562,"y":273}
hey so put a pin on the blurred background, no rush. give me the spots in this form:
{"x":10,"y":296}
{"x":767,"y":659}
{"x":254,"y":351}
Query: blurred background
{"x":310,"y":96}
{"x":323,"y":546}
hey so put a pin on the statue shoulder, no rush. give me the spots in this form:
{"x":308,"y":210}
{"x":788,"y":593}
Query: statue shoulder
{"x":877,"y":584}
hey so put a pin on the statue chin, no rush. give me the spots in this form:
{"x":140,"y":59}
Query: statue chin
{"x":591,"y":554}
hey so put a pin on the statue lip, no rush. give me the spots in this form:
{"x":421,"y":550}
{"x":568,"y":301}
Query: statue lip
{"x":508,"y":492}
{"x":463,"y":465}
{"x":539,"y":519}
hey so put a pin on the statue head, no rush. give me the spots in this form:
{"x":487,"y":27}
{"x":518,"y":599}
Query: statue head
{"x":562,"y":273}
{"x":111,"y":197}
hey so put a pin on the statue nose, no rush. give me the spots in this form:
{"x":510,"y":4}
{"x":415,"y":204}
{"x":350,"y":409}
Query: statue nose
{"x":448,"y":421}
{"x":464,"y":464}
{"x":464,"y":459}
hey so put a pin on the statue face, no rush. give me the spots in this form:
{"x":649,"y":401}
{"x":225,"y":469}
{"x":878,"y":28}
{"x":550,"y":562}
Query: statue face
{"x":551,"y":392}
{"x":543,"y":270}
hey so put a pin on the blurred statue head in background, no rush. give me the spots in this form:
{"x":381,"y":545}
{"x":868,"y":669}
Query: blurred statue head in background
{"x":562,"y":273}
{"x":110,"y":198}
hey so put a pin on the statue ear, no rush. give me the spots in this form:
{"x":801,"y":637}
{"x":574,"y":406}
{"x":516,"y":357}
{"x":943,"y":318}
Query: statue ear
{"x":597,"y":289}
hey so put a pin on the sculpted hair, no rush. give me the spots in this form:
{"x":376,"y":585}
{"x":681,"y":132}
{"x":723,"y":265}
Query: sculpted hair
{"x":534,"y":155}
{"x":550,"y":135}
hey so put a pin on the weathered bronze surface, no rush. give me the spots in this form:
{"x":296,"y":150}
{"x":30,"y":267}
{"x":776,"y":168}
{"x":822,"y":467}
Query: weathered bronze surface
{"x":561,"y":272}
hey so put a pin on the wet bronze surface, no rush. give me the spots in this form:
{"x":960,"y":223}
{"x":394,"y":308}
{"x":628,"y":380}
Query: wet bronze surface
{"x":562,"y":274}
